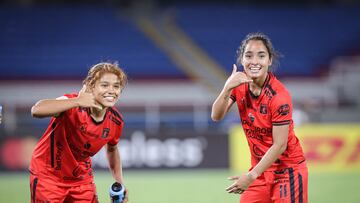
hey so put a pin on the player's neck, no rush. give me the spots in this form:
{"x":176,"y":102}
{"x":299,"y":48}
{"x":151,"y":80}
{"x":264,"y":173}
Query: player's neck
{"x":98,"y":115}
{"x":257,"y":84}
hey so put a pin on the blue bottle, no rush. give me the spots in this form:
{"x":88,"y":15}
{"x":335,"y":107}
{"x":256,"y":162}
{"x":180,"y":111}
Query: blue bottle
{"x":117,"y":193}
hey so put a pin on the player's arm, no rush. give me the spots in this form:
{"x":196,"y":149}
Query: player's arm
{"x":53,"y":107}
{"x":221,"y":105}
{"x":281,"y":112}
{"x":280,"y":137}
{"x":115,"y":166}
{"x":223,"y":102}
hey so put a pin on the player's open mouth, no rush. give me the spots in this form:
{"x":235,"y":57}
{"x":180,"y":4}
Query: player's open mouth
{"x":255,"y":69}
{"x":109,"y":98}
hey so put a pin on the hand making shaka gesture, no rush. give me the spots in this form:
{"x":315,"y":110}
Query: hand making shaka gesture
{"x":87,"y":99}
{"x":236,"y":78}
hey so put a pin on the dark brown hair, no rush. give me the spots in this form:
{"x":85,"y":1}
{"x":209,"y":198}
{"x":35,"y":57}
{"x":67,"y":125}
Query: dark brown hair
{"x":273,"y":54}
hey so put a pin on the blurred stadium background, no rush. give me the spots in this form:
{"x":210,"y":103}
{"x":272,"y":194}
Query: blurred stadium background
{"x":178,"y":55}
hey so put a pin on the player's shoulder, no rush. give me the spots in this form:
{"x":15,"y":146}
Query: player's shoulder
{"x":241,"y":89}
{"x":116,"y":115}
{"x":115,"y":112}
{"x":277,"y":87}
{"x":238,"y":92}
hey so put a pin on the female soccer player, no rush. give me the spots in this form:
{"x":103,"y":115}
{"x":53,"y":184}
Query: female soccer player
{"x":279,"y":172}
{"x":81,"y":124}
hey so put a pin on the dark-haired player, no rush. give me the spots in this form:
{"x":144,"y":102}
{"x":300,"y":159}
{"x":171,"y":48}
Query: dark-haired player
{"x":279,"y":172}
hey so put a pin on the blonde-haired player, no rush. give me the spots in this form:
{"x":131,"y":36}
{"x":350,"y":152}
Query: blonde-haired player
{"x":81,"y":124}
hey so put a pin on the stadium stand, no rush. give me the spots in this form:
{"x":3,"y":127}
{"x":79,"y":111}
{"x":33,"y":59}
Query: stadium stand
{"x":47,"y":43}
{"x":307,"y":37}
{"x":62,"y":42}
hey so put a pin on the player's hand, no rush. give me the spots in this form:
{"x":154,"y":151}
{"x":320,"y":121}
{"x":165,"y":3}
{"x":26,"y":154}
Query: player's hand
{"x":126,"y":198}
{"x":236,"y":78}
{"x":240,"y":185}
{"x":87,"y":99}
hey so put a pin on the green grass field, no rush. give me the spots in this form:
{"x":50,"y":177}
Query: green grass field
{"x":193,"y":186}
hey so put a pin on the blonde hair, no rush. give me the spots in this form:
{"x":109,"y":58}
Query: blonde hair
{"x":98,"y":70}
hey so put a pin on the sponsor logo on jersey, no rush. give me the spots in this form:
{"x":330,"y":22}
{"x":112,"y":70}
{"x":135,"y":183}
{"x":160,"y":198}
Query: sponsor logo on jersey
{"x":257,"y":151}
{"x":284,"y":109}
{"x":250,"y":133}
{"x":251,"y":117}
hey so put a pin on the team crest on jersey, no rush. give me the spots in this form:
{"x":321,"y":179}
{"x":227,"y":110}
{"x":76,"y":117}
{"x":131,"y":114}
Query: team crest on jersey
{"x":284,"y":109}
{"x":251,"y":117}
{"x":105,"y":133}
{"x":263,"y":109}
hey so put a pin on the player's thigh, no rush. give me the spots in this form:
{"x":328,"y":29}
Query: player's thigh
{"x":85,"y":193}
{"x":45,"y":192}
{"x":291,"y":186}
{"x":256,"y":194}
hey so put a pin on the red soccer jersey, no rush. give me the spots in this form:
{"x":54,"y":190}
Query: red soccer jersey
{"x":63,"y":153}
{"x":258,"y":116}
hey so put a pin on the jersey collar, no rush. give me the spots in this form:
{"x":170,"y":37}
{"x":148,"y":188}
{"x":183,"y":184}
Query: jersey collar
{"x":267,"y":80}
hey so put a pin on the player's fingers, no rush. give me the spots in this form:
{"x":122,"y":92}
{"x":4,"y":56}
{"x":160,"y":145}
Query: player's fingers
{"x":231,"y":187}
{"x":234,"y":69}
{"x":233,"y":177}
{"x":244,"y":78}
{"x":232,"y":190}
{"x":88,"y":89}
{"x":239,"y":191}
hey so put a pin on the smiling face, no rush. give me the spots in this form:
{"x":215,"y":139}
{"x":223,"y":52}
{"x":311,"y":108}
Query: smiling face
{"x":107,"y":89}
{"x":256,"y":60}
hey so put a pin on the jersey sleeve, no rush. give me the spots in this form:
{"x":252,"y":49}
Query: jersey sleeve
{"x":72,"y":110}
{"x":281,"y":109}
{"x":233,"y":95}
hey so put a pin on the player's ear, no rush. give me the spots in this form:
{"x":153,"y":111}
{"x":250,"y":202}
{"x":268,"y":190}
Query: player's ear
{"x":270,"y":61}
